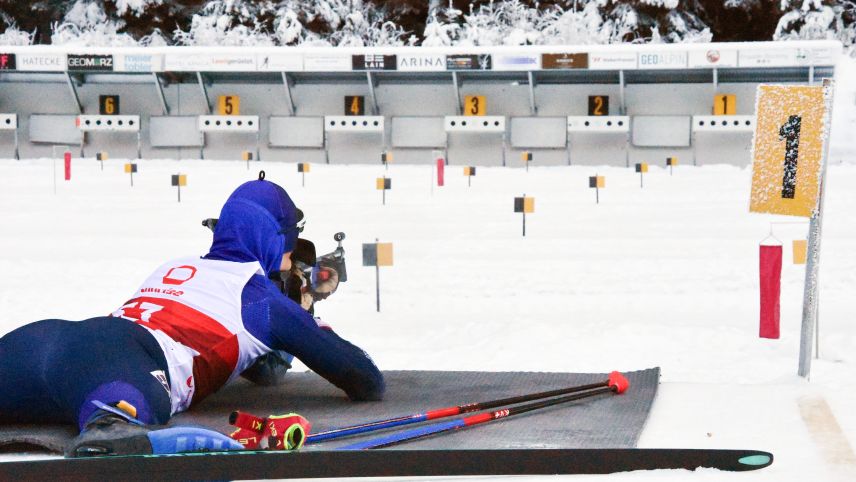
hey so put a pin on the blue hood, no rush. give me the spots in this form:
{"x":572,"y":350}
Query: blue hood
{"x":257,"y":223}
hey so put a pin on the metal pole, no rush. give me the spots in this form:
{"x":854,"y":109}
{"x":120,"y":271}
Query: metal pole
{"x":377,"y":286}
{"x":524,"y":220}
{"x":458,"y":107}
{"x":372,"y":96}
{"x":622,"y":106}
{"x":533,"y":107}
{"x":810,"y":294}
{"x":74,"y":93}
{"x":286,"y":82}
{"x":204,"y":92}
{"x":162,"y":98}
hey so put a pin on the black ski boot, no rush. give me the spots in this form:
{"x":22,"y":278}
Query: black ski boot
{"x":111,"y":430}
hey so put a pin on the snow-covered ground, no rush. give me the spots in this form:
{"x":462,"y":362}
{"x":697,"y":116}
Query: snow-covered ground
{"x":665,"y":275}
{"x":662,"y":276}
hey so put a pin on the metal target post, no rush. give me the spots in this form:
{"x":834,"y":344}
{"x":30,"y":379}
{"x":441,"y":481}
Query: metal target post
{"x":789,"y":177}
{"x":377,"y":254}
{"x":811,"y":307}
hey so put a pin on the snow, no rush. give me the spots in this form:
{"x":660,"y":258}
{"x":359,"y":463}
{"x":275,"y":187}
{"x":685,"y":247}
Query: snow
{"x":662,"y":276}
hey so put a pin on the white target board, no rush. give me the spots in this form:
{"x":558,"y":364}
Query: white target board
{"x":230,"y":123}
{"x":124,"y":123}
{"x":723,"y":123}
{"x":599,"y":123}
{"x":484,"y":123}
{"x":353,"y":123}
{"x":8,"y":122}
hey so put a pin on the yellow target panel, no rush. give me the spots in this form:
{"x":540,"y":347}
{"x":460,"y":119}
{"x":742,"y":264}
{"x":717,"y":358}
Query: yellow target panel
{"x":384,"y":254}
{"x":179,"y":180}
{"x":788,"y":152}
{"x":247,"y":156}
{"x":800,"y":251}
{"x":642,"y":167}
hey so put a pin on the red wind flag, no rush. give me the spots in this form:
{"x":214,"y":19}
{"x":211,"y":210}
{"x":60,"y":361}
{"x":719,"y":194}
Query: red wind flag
{"x":771,"y":282}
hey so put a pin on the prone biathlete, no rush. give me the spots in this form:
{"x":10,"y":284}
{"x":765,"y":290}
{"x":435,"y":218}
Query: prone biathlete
{"x":194,"y":325}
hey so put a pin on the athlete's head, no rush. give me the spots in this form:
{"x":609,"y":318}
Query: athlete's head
{"x":259,"y":222}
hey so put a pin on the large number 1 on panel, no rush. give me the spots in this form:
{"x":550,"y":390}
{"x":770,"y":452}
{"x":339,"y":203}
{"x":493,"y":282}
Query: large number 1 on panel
{"x":790,"y":133}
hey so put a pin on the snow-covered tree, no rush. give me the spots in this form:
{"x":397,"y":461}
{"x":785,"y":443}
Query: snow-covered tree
{"x":87,"y":24}
{"x":816,"y":20}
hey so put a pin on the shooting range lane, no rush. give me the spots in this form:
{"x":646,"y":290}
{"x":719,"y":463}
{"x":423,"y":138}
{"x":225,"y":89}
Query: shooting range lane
{"x":609,"y":421}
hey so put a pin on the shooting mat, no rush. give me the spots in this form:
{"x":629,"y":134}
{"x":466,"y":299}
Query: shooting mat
{"x":614,"y":421}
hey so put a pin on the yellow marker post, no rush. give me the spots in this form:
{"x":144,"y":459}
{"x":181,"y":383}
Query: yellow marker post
{"x":788,"y":169}
{"x":385,"y":159}
{"x":526,"y":157}
{"x":247,"y":156}
{"x":228,"y":105}
{"x":383,"y":184}
{"x":469,"y":171}
{"x":475,"y":105}
{"x":597,"y":183}
{"x":524,"y":205}
{"x":377,"y":254}
{"x":101,"y":157}
{"x":131,"y":168}
{"x":724,"y":104}
{"x":303,"y":168}
{"x":179,"y":180}
{"x":641,"y":168}
{"x":800,"y":249}
{"x":671,"y":162}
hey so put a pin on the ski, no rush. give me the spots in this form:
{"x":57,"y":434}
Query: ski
{"x":381,"y":463}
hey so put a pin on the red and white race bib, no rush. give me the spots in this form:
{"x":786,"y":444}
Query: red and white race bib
{"x":193,"y":308}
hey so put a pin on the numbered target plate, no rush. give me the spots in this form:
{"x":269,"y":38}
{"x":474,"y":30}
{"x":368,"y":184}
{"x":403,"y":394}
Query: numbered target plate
{"x":789,"y":148}
{"x":229,"y":105}
{"x":8,"y":122}
{"x":475,"y":105}
{"x":129,"y":123}
{"x":723,"y":123}
{"x":239,"y":123}
{"x":353,"y":123}
{"x":486,"y":123}
{"x":595,"y":123}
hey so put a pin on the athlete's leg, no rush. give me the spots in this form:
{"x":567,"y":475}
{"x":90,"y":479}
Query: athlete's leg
{"x":24,"y":354}
{"x":52,"y":370}
{"x":109,"y":360}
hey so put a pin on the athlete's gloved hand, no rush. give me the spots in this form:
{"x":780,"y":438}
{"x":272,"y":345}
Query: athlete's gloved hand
{"x":270,"y":369}
{"x":276,"y":432}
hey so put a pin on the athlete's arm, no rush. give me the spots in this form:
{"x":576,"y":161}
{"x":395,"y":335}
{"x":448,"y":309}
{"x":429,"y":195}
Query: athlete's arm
{"x":290,"y":328}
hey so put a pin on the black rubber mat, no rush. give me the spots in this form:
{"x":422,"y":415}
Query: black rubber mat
{"x":606,"y":421}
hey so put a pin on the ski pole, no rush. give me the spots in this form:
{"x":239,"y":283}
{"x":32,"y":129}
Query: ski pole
{"x":444,"y":412}
{"x":617,"y":383}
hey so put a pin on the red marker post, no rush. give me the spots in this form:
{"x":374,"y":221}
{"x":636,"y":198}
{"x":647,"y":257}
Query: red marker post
{"x":67,"y":160}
